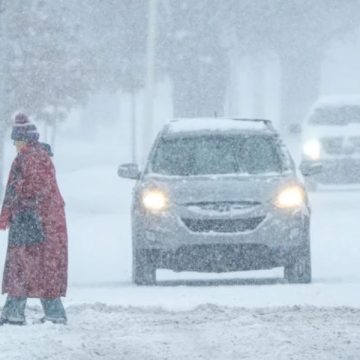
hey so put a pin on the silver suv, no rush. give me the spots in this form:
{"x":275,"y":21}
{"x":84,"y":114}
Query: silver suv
{"x":219,"y":195}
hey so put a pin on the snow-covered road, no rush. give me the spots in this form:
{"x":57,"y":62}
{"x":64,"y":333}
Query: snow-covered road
{"x":189,"y":315}
{"x":206,"y":332}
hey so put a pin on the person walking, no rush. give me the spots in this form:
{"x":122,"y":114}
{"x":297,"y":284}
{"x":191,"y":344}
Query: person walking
{"x":33,"y":210}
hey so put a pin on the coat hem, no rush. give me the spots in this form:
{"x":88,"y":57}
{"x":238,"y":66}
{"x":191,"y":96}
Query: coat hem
{"x":35,"y":295}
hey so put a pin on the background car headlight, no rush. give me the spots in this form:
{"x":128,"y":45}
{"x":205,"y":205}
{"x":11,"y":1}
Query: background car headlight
{"x":155,"y":200}
{"x":312,"y":149}
{"x":291,"y":197}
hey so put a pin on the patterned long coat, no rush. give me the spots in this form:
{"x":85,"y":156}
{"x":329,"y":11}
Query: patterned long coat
{"x":37,"y":270}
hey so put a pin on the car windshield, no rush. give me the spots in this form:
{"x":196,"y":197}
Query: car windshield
{"x":206,"y":155}
{"x":342,"y":115}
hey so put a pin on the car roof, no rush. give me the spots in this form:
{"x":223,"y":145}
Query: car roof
{"x":341,"y":100}
{"x":198,"y":126}
{"x":332,"y":102}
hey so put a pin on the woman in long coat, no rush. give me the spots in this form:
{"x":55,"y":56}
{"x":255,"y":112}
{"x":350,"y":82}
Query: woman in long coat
{"x":33,"y":210}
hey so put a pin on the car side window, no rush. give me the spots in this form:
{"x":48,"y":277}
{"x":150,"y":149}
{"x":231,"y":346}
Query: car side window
{"x":287,"y":161}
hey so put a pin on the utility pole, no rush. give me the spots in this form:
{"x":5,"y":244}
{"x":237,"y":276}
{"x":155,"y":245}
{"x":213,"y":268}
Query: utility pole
{"x":148,"y":121}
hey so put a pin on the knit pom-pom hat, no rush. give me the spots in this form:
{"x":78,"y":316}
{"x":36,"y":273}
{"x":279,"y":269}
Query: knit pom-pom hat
{"x":24,"y":130}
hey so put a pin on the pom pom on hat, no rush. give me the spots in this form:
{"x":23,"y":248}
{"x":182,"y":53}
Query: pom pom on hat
{"x":23,"y":129}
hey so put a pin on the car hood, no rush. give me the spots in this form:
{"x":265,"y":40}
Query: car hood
{"x":219,"y":188}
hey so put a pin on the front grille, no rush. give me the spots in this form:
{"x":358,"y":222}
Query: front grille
{"x":223,"y":226}
{"x":222,"y":206}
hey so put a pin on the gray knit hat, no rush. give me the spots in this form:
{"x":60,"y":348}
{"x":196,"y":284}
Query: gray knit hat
{"x":24,"y":130}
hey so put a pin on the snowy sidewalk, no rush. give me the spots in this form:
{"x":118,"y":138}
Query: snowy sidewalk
{"x":206,"y":332}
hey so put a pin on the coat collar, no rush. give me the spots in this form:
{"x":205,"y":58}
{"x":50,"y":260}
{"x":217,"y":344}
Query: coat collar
{"x":27,"y":148}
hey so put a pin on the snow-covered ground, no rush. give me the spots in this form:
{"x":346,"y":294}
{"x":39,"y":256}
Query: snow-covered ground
{"x":98,"y":331}
{"x":189,"y":315}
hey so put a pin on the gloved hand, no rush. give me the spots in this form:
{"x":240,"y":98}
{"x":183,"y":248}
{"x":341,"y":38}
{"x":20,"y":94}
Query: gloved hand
{"x":4,"y":222}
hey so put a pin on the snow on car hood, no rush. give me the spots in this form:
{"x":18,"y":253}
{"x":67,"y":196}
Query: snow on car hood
{"x":216,"y":188}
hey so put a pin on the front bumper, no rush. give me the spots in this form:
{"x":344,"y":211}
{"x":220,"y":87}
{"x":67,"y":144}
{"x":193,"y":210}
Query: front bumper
{"x":281,"y":234}
{"x":224,"y":258}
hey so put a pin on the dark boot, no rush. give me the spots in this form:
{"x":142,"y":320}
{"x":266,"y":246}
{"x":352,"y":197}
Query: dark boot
{"x":54,"y":311}
{"x":6,"y":321}
{"x":61,"y":321}
{"x":13,"y":312}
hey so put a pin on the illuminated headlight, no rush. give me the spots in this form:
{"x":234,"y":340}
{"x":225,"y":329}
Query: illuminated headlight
{"x":312,"y":149}
{"x":291,"y":197}
{"x":155,"y":200}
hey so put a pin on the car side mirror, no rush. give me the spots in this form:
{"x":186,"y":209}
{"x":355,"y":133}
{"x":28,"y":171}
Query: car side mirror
{"x":129,"y":171}
{"x":308,"y":168}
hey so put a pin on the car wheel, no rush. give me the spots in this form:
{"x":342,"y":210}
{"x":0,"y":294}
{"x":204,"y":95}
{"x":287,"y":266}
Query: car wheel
{"x":299,"y":269}
{"x":144,"y":267}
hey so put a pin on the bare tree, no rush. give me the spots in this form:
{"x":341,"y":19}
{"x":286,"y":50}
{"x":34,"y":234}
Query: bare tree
{"x":42,"y":62}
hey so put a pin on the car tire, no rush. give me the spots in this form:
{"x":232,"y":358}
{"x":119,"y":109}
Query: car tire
{"x":298,"y":271}
{"x":298,"y":267}
{"x":144,"y":267}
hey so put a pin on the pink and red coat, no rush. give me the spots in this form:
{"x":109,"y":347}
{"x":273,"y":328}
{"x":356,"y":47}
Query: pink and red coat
{"x":38,"y":270}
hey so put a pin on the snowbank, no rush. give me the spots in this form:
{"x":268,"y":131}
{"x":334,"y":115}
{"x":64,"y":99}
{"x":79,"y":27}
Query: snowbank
{"x":206,"y":332}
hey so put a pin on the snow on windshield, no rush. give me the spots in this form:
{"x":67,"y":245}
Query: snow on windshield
{"x":336,"y":115}
{"x":218,"y":154}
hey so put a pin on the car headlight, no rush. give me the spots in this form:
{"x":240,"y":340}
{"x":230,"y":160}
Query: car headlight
{"x":291,"y":197}
{"x":154,"y":200}
{"x":312,"y":149}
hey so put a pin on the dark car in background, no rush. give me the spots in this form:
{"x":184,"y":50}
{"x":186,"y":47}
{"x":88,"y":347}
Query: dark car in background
{"x":219,"y":195}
